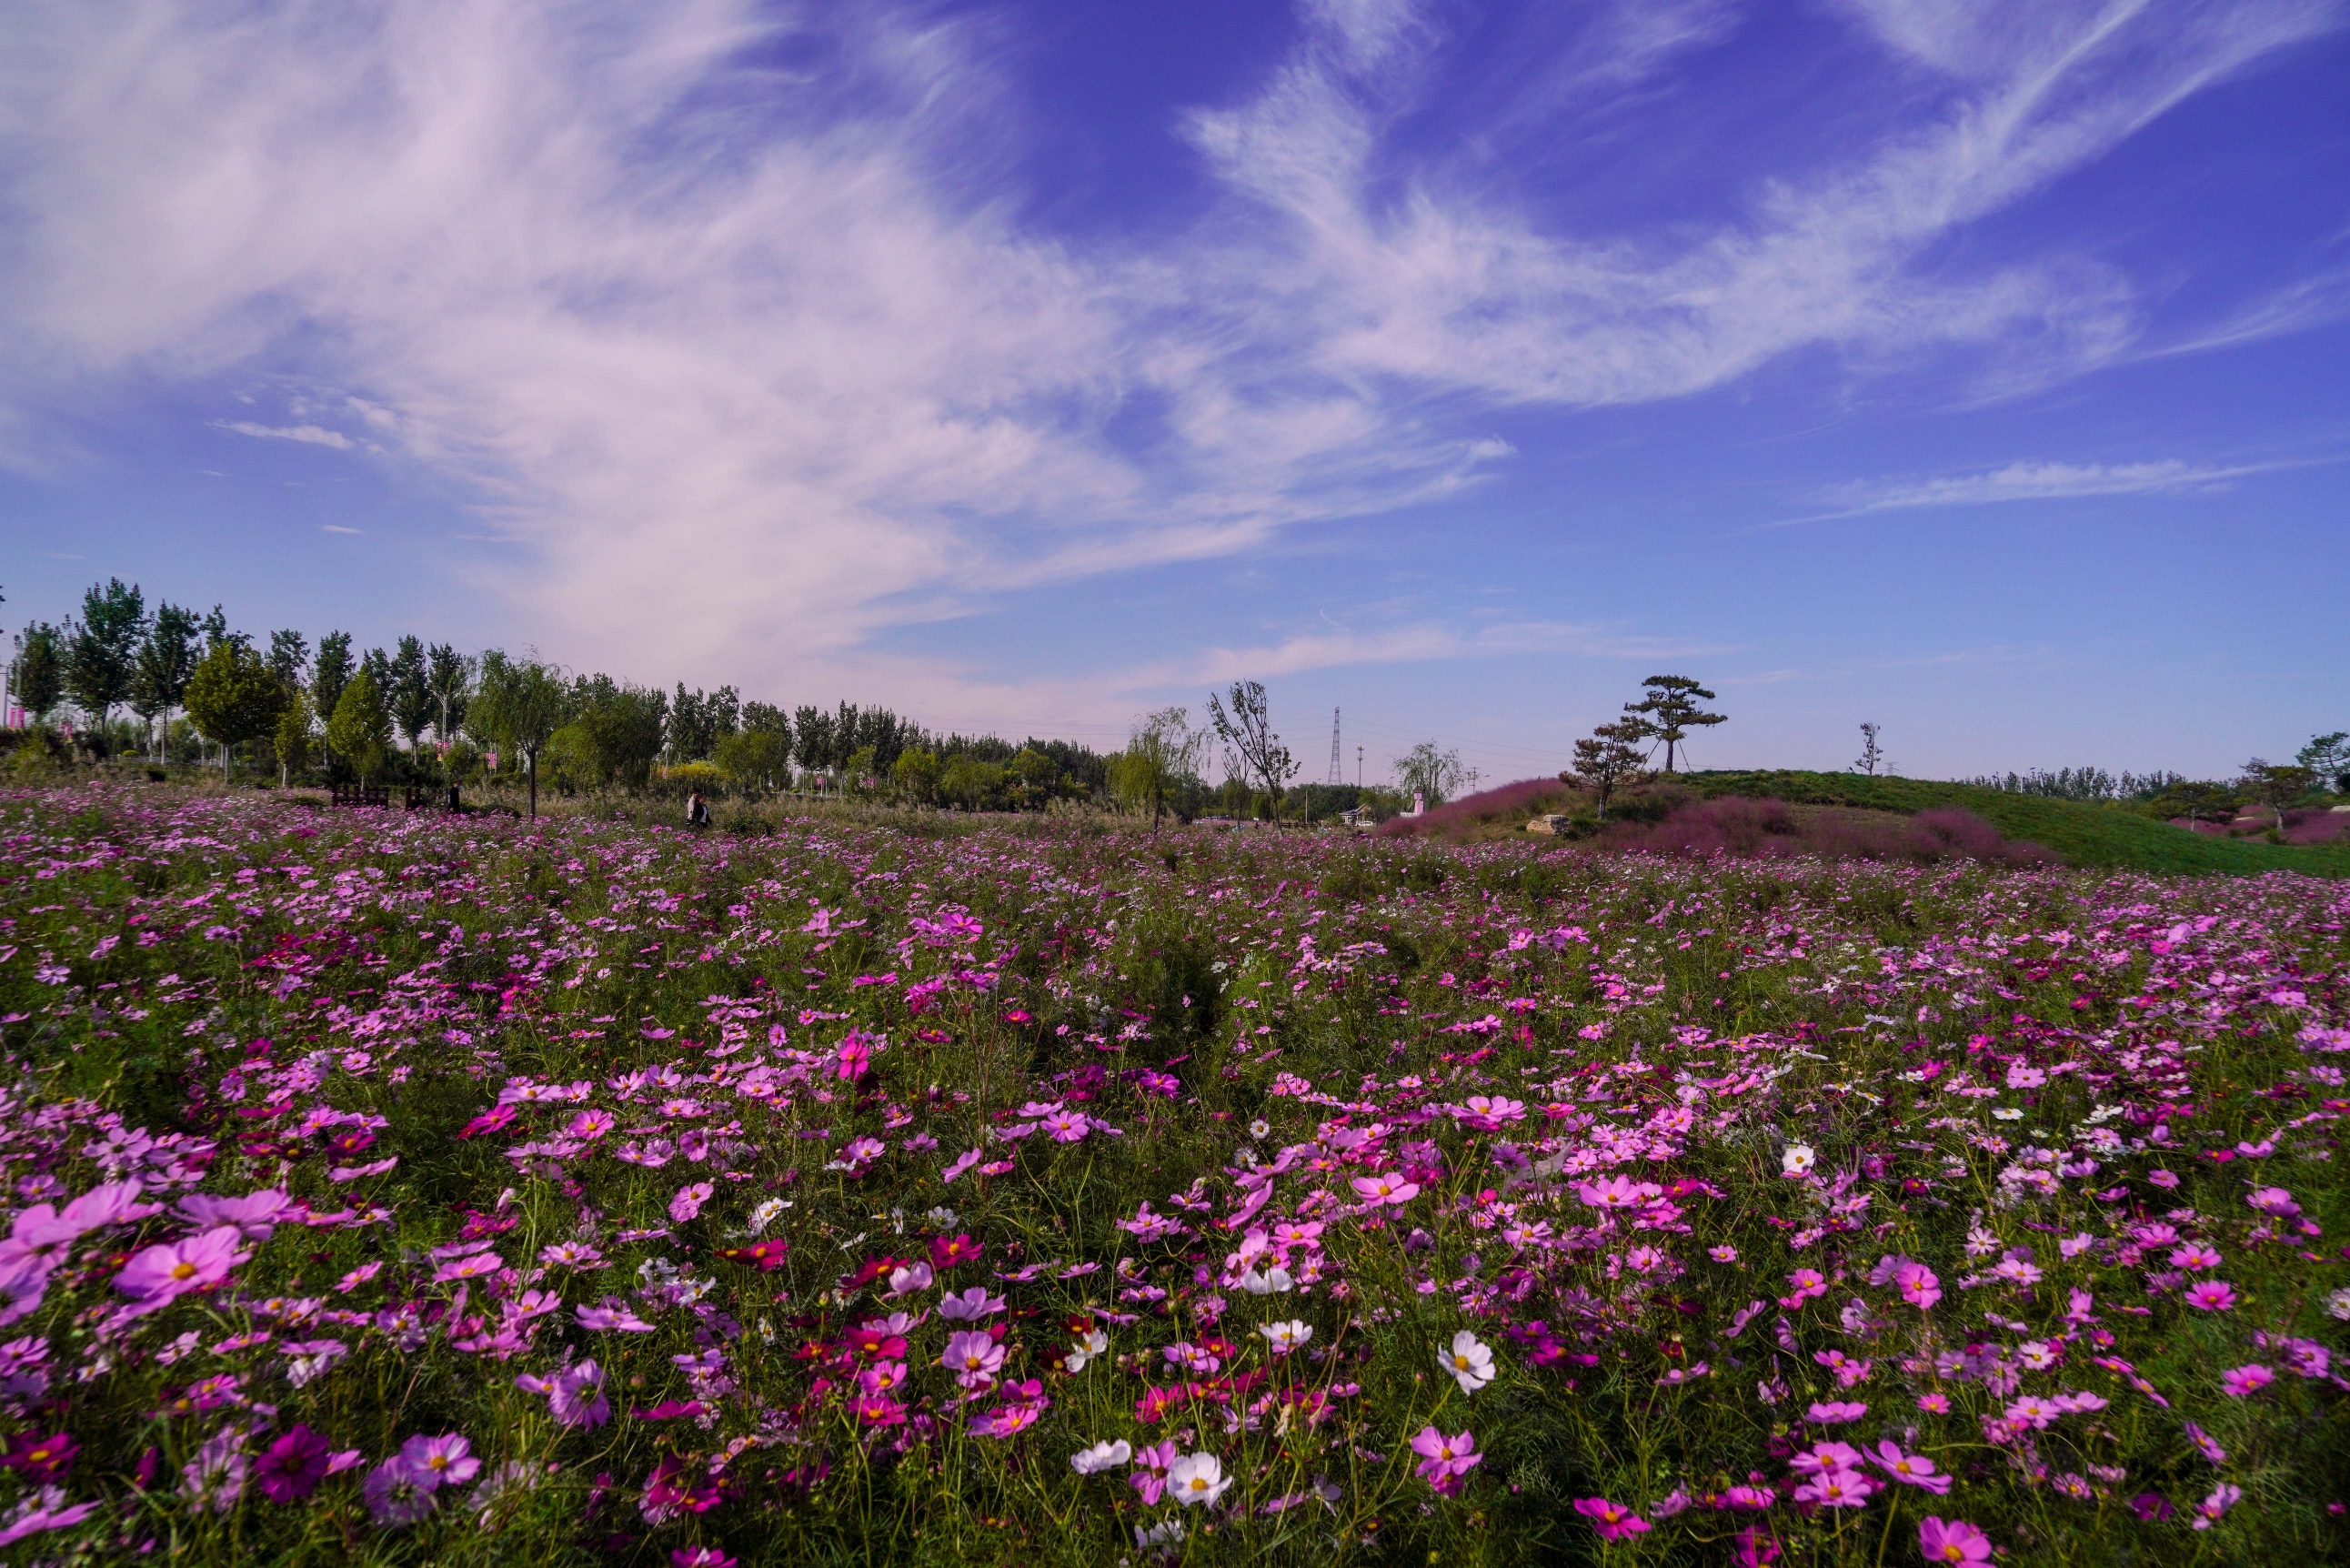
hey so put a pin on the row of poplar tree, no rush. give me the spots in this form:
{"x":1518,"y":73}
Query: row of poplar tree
{"x":350,"y":711}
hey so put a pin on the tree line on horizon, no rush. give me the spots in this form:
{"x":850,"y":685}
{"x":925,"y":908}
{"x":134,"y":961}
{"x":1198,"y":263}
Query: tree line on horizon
{"x":364,"y":716}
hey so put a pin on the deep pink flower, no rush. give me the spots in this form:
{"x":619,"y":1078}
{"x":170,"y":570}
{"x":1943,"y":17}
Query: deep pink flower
{"x":47,"y":1458}
{"x":1918,"y":1284}
{"x":947,"y":1252}
{"x":291,"y":1468}
{"x":2211,"y":1296}
{"x":1612,"y":1521}
{"x":2240,"y":1381}
{"x":1444,"y":1460}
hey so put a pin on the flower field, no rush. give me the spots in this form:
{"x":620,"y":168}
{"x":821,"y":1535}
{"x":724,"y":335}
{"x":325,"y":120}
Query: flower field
{"x":391,"y":1188}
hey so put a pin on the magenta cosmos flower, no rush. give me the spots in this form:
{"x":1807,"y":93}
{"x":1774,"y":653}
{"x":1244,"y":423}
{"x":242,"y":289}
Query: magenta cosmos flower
{"x":2211,"y":1296}
{"x":1952,"y":1540}
{"x":1444,"y":1460}
{"x":291,"y":1468}
{"x":161,"y":1274}
{"x":1917,"y":1285}
{"x":1612,"y":1521}
{"x":2242,"y":1380}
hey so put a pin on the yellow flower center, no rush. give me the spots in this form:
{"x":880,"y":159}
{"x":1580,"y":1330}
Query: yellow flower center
{"x":183,"y":1271}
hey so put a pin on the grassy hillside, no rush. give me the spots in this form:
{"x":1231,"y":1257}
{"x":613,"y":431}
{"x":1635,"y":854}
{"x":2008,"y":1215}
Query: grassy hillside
{"x":2083,"y":835}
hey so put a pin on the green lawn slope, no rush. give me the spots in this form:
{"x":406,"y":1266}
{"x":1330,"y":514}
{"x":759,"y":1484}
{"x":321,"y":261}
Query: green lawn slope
{"x":2081,"y":834}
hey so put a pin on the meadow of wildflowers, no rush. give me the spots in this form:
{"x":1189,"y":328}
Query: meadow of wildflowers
{"x":388,"y":1189}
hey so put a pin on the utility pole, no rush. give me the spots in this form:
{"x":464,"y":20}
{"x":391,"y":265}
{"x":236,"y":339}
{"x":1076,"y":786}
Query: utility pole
{"x":1359,"y":767}
{"x":1337,"y":769}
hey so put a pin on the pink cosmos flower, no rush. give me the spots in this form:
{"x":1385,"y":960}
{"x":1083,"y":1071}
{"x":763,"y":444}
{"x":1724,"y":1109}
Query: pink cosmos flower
{"x":2273,"y":1201}
{"x":1068,"y":1127}
{"x":256,"y":1214}
{"x":1952,"y":1540}
{"x":2240,"y":1381}
{"x":161,"y":1274}
{"x":1444,"y":1460}
{"x":2211,"y":1296}
{"x":1917,"y":1285}
{"x":1149,"y":1477}
{"x":1612,"y":1521}
{"x":1389,"y":1189}
{"x":970,"y":1304}
{"x":1825,"y":1456}
{"x":1834,"y":1412}
{"x":1836,"y":1488}
{"x":1615,"y":1192}
{"x":2203,"y":1443}
{"x":575,"y":1396}
{"x":973,"y":1357}
{"x":445,"y":1460}
{"x":214,"y":1480}
{"x":2223,"y":1498}
{"x":2016,"y":1271}
{"x":688,"y":1201}
{"x":1916,"y":1470}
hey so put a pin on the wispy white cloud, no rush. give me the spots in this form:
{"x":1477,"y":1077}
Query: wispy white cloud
{"x":754,"y":362}
{"x":2036,"y":482}
{"x":335,"y":528}
{"x":313,"y":435}
{"x":1416,"y":642}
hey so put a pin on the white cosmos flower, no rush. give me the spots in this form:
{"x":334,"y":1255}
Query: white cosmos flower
{"x":1259,"y":1127}
{"x":1196,"y":1478}
{"x":1798,"y":1159}
{"x":1286,"y":1337}
{"x":1090,"y":1345}
{"x":1273,"y":1281}
{"x":1101,"y":1456}
{"x":1469,"y":1362}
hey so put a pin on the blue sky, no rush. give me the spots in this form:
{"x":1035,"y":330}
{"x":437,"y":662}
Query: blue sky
{"x":1978,"y":369}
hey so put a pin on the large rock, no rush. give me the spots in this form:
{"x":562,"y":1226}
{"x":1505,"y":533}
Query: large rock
{"x":1552,"y":822}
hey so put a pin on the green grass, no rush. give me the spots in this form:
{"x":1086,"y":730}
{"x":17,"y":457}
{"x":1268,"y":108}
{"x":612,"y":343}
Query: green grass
{"x":2083,"y":835}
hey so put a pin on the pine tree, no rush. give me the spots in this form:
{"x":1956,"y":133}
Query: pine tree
{"x":1670,"y":711}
